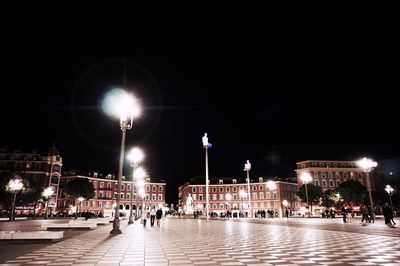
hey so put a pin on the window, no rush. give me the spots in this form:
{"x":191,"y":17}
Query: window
{"x":260,"y":180}
{"x":323,"y":174}
{"x":214,"y":189}
{"x":254,"y":188}
{"x":134,"y":196}
{"x":200,"y":189}
{"x":134,"y":188}
{"x":234,"y":189}
{"x":214,"y":196}
{"x":220,"y":181}
{"x":122,"y":187}
{"x":261,"y":195}
{"x":221,"y":196}
{"x":337,"y":183}
{"x":316,"y":175}
{"x":227,"y":189}
{"x":260,"y":188}
{"x":115,"y":195}
{"x":234,"y":181}
{"x":100,"y":195}
{"x":234,"y":196}
{"x":194,"y":196}
{"x":221,"y":189}
{"x":100,"y":204}
{"x":331,"y":183}
{"x":345,"y":175}
{"x":109,"y":185}
{"x":330,"y":174}
{"x":193,"y":189}
{"x":115,"y":187}
{"x":221,"y":206}
{"x":122,"y":196}
{"x":159,"y":197}
{"x":153,"y":188}
{"x":101,"y":184}
{"x":128,"y":196}
{"x":128,"y":187}
{"x":147,"y":197}
{"x":275,"y":195}
{"x":200,"y":196}
{"x":255,"y":205}
{"x":316,"y":182}
{"x":324,"y":183}
{"x":153,"y":197}
{"x":268,"y":195}
{"x":159,"y":188}
{"x":275,"y":204}
{"x":254,"y":195}
{"x":147,"y":188}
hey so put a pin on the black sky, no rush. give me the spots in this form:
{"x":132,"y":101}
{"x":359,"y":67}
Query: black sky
{"x":272,"y":84}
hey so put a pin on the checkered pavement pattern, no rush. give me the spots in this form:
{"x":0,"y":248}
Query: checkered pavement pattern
{"x":198,"y":242}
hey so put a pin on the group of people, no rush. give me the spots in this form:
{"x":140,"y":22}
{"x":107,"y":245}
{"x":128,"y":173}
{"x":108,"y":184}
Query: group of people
{"x":368,"y":214}
{"x":388,"y":214}
{"x":153,"y":215}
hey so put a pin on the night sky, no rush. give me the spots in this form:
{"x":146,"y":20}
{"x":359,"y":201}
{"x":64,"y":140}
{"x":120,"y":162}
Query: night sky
{"x":271,"y":84}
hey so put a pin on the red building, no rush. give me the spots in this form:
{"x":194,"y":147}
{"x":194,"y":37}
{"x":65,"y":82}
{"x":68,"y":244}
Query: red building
{"x":330,"y":174}
{"x":105,"y":187}
{"x":231,"y":194}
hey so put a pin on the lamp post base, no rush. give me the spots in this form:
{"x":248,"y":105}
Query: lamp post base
{"x":116,"y":229}
{"x":130,"y":220}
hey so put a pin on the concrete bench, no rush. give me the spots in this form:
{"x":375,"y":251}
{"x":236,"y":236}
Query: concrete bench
{"x":70,"y":225}
{"x":30,"y":235}
{"x":16,"y":218}
{"x":103,"y":221}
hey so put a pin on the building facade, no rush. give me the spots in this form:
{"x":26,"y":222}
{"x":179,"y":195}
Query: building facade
{"x":106,"y":194}
{"x":44,"y":168}
{"x":330,"y":174}
{"x":231,"y":194}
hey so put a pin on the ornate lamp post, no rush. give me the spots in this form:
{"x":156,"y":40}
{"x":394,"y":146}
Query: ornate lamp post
{"x":306,"y":177}
{"x":247,"y":167}
{"x":368,"y":165}
{"x":14,"y":186}
{"x":285,"y":204}
{"x":390,"y":191}
{"x":135,"y":156}
{"x":125,"y":106}
{"x":139,"y":176}
{"x":47,"y":193}
{"x":242,"y":194}
{"x":206,"y":146}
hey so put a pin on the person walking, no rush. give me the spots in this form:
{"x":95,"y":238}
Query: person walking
{"x":158,"y":216}
{"x":152,"y":215}
{"x":344,"y":213}
{"x":145,"y":216}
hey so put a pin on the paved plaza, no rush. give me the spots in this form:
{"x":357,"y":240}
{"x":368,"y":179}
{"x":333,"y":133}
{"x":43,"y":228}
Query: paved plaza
{"x":181,"y":241}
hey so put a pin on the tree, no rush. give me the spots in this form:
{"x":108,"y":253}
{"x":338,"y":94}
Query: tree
{"x":353,"y":192}
{"x":314,"y":194}
{"x":33,"y":192}
{"x":331,"y":198}
{"x":79,"y":187}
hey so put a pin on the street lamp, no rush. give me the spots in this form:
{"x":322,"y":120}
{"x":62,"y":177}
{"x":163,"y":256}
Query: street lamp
{"x":47,"y":193}
{"x":285,"y":204}
{"x":125,"y":106}
{"x":206,"y":146}
{"x":306,"y":177}
{"x":390,"y":191}
{"x":135,"y":156}
{"x":247,"y":167}
{"x":14,"y":186}
{"x":80,"y":199}
{"x":242,"y":194}
{"x":367,"y":165}
{"x":139,"y":176}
